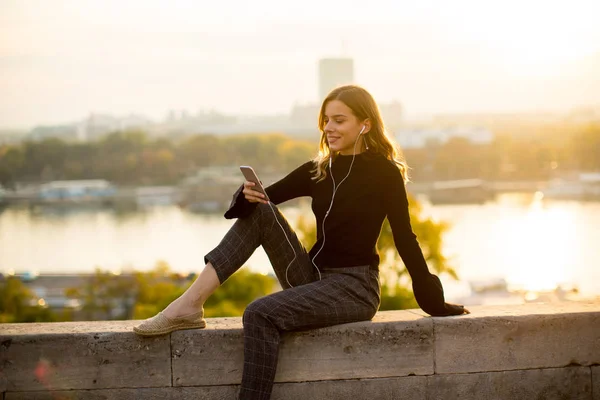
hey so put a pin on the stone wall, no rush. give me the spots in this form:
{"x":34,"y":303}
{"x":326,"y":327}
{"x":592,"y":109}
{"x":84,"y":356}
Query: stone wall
{"x":528,"y":352}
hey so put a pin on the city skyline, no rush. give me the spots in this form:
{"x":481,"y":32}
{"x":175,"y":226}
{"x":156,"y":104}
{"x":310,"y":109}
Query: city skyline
{"x":63,"y":60}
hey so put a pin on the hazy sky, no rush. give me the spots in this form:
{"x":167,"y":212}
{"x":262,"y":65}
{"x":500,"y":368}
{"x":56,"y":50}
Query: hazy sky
{"x":61,"y":59}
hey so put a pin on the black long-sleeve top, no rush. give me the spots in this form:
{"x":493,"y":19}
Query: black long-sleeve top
{"x":373,"y":191}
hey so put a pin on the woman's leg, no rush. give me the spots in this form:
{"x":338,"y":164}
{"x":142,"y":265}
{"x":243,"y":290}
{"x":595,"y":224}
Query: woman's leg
{"x":236,"y":247}
{"x":264,"y":226}
{"x":347,"y":295}
{"x":193,"y":298}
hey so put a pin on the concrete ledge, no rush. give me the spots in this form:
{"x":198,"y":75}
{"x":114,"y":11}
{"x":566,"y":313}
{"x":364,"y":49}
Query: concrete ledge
{"x":549,"y":384}
{"x":571,"y":383}
{"x":524,"y":337}
{"x":517,"y":352}
{"x":81,"y":355}
{"x":395,"y":343}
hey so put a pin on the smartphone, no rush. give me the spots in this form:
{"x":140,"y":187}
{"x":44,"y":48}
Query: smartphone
{"x":251,"y":176}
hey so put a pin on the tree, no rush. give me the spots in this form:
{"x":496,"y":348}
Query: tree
{"x":586,"y":144}
{"x":143,"y":294}
{"x":12,"y":160}
{"x":105,"y":296}
{"x":19,"y":304}
{"x":237,"y":292}
{"x":154,"y":290}
{"x":294,"y":153}
{"x":199,"y":151}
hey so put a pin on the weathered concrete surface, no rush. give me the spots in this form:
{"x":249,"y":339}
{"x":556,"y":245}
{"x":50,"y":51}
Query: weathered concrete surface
{"x":395,"y":343}
{"x":529,"y":346}
{"x":412,"y":387}
{"x":408,"y":387}
{"x":518,"y":337}
{"x":596,"y":382}
{"x":210,"y":356}
{"x":571,"y":383}
{"x":196,"y":393}
{"x":3,"y":380}
{"x":81,"y":356}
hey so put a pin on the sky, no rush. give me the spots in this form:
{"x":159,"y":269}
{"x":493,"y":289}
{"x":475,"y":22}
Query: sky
{"x":61,"y":60}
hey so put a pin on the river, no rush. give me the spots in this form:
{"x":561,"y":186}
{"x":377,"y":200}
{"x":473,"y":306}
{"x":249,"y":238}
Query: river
{"x":532,"y":243}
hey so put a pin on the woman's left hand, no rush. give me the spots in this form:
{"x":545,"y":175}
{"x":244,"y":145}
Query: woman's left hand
{"x":455,"y":309}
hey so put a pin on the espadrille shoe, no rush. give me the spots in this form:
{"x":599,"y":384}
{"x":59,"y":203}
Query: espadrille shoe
{"x":160,"y":324}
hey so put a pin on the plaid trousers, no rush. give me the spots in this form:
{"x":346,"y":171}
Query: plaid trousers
{"x":342,"y":295}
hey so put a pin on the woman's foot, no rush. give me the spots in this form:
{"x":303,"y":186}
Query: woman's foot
{"x":182,"y":307}
{"x":182,"y":313}
{"x":185,"y":312}
{"x":162,"y":325}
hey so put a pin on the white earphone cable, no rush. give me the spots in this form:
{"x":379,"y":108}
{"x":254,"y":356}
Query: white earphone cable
{"x":288,"y":240}
{"x":335,"y":189}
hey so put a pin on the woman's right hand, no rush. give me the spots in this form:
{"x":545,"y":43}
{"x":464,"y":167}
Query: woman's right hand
{"x":253,"y":196}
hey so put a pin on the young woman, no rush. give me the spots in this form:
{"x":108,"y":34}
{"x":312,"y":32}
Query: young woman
{"x":355,"y":182}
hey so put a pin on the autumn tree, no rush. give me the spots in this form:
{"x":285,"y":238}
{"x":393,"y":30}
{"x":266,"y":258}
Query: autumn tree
{"x":19,"y":304}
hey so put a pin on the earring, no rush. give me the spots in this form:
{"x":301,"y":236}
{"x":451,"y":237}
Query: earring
{"x":366,"y":144}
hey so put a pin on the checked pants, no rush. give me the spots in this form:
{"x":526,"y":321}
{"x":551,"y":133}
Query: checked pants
{"x":342,"y":295}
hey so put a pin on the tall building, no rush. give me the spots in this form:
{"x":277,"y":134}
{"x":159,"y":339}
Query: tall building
{"x":334,"y":72}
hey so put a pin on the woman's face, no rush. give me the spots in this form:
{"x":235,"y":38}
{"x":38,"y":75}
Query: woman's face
{"x":342,"y":128}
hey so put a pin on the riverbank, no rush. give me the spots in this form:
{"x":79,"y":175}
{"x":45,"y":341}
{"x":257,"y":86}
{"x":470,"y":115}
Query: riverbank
{"x":214,"y":195}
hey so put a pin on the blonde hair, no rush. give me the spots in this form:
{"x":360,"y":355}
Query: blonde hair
{"x":363,"y":106}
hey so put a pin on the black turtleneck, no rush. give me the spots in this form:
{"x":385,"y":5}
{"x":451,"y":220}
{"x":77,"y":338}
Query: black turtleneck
{"x":373,"y":191}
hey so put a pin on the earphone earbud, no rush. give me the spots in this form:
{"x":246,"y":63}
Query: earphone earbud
{"x":362,"y":130}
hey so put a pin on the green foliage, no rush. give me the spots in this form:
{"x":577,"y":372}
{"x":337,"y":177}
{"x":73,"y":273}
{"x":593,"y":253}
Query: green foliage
{"x":237,"y":292}
{"x":12,"y":160}
{"x":201,"y":151}
{"x":397,"y":297}
{"x":518,"y":151}
{"x":155,"y":290}
{"x":131,"y":157}
{"x":306,"y":230}
{"x":18,"y":304}
{"x":143,"y":294}
{"x":109,"y":296}
{"x":103,"y":294}
{"x":586,"y":144}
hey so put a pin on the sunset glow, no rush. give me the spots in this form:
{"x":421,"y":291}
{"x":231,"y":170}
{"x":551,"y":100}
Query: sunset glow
{"x":149,"y":57}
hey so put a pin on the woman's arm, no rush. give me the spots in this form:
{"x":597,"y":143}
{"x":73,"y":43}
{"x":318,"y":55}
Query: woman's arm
{"x":296,"y":184}
{"x":427,"y":287}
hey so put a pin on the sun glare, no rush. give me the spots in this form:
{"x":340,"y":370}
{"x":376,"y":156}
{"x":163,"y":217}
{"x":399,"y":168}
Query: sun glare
{"x":542,"y":54}
{"x":535,"y":37}
{"x":543,"y":261}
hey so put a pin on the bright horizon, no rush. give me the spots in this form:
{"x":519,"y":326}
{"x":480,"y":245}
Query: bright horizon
{"x":61,"y":60}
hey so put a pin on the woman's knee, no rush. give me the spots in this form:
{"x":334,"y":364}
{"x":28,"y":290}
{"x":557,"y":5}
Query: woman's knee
{"x":258,"y":309}
{"x":262,"y":208}
{"x":261,"y":213}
